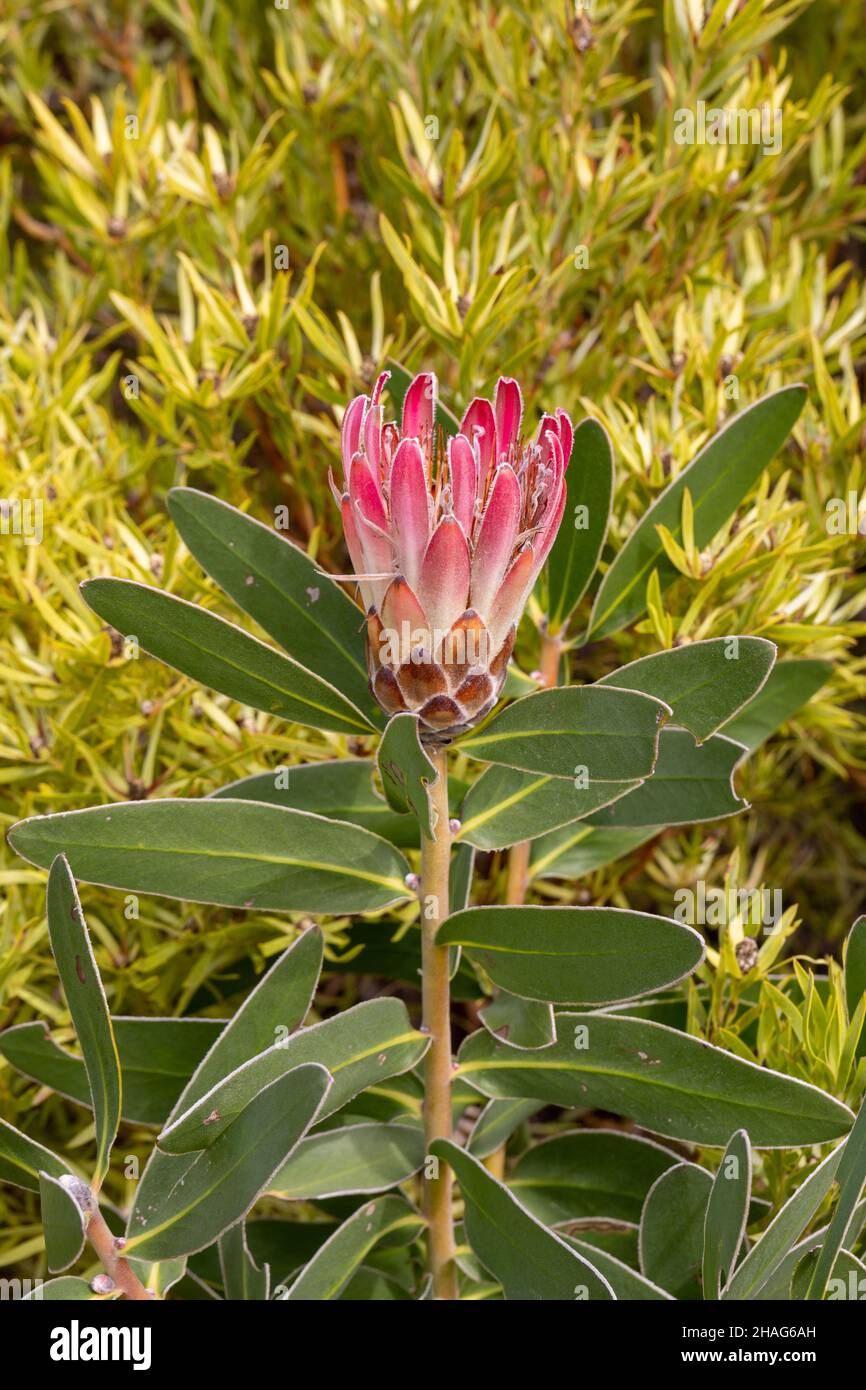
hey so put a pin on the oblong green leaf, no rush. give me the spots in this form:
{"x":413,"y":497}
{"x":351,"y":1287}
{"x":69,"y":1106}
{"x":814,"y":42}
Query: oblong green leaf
{"x":243,"y":1279}
{"x":727,"y":1213}
{"x":576,"y":550}
{"x":85,"y":996}
{"x":625,"y":1282}
{"x":587,"y":1174}
{"x":407,"y":773}
{"x":671,"y":1238}
{"x":22,"y":1159}
{"x":220,"y":655}
{"x":336,"y":1261}
{"x":789,"y":685}
{"x":367,"y":1043}
{"x":778,"y":1286}
{"x":609,"y":735}
{"x":529,"y":1261}
{"x":718,"y":478}
{"x":519,"y":1022}
{"x":850,"y":1175}
{"x":353,"y":1159}
{"x":157,"y":1058}
{"x":202,"y":1124}
{"x":670,"y":1083}
{"x":341,"y":789}
{"x":783,"y":1232}
{"x":690,"y":783}
{"x":496,"y":1124}
{"x":576,"y":850}
{"x":225,"y":1180}
{"x":568,"y":955}
{"x":278,"y":584}
{"x":231,"y":853}
{"x":855,"y":965}
{"x":271,"y":1012}
{"x":704,"y":683}
{"x":62,"y":1223}
{"x":505,"y":806}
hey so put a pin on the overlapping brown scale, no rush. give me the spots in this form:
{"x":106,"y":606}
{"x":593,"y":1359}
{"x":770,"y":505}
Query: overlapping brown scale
{"x":475,"y":691}
{"x":442,"y":714}
{"x":386,"y":690}
{"x":466,"y":647}
{"x":420,"y":681}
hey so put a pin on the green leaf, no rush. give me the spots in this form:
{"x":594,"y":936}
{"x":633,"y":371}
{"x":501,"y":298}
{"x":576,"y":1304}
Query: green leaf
{"x":336,"y":1261}
{"x":504,"y":806}
{"x":776,"y":1242}
{"x":207,"y":1119}
{"x":220,"y":655}
{"x":589,"y":1174}
{"x":519,"y":1022}
{"x":608,"y":735}
{"x":271,"y":1012}
{"x":664,"y":1080}
{"x":578,"y":850}
{"x":850,"y":1176}
{"x":672,"y":1230}
{"x":778,"y":1286}
{"x":62,"y":1222}
{"x":567,"y":955}
{"x":576,"y":550}
{"x":704,"y":683}
{"x":407,"y":773}
{"x":22,"y":1159}
{"x":625,"y":1282}
{"x":718,"y":479}
{"x":341,"y":790}
{"x":157,"y":1058}
{"x":220,"y":1187}
{"x":231,"y":853}
{"x":848,"y":1272}
{"x":496,"y":1124}
{"x":278,"y":584}
{"x":789,"y":685}
{"x":243,"y":1279}
{"x":727,"y":1213}
{"x":85,"y":996}
{"x":529,"y":1261}
{"x":855,"y":965}
{"x":363,"y":1045}
{"x":460,"y":876}
{"x":691,"y":783}
{"x":354,"y":1159}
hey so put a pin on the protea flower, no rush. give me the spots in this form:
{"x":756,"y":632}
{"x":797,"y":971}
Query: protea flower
{"x":446,"y":543}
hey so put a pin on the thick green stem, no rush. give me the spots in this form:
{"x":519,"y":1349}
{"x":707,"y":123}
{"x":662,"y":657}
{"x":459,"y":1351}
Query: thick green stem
{"x":436,"y":1003}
